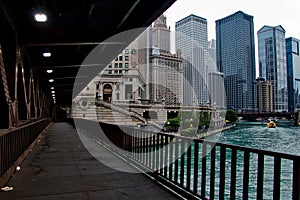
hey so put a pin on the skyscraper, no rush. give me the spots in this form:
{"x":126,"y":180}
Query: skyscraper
{"x":161,"y":34}
{"x":293,"y":73}
{"x":264,"y":95}
{"x":236,"y":59}
{"x":215,"y":79}
{"x":272,"y":63}
{"x":191,"y":39}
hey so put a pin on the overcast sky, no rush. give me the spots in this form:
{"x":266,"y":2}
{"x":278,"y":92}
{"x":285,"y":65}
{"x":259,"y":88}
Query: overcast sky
{"x":265,"y":12}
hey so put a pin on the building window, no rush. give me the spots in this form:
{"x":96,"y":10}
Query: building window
{"x":126,"y":51}
{"x":118,"y":86}
{"x":116,"y":59}
{"x":126,"y":72}
{"x":109,"y":71}
{"x":126,"y":65}
{"x":120,"y":65}
{"x":109,"y":66}
{"x":126,"y":58}
{"x":116,"y":72}
{"x":130,"y":79}
{"x":118,"y":96}
{"x":120,"y":71}
{"x":120,"y":58}
{"x":116,"y":65}
{"x":133,"y":51}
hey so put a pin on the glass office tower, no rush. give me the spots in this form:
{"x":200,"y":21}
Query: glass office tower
{"x":272,"y":63}
{"x":293,"y":73}
{"x":192,"y":40}
{"x":236,"y":59}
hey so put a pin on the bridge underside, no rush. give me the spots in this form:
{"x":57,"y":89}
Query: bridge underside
{"x":73,"y":29}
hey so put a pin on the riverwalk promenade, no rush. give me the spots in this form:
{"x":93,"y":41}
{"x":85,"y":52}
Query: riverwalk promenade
{"x":60,"y":167}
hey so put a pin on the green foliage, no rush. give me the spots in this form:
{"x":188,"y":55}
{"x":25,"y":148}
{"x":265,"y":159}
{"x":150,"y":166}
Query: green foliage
{"x":194,"y":119}
{"x":204,"y":119}
{"x":172,"y":125}
{"x":174,"y":122}
{"x":231,"y":115}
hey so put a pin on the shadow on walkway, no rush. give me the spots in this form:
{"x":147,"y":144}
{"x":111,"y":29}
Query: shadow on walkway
{"x":60,"y":167}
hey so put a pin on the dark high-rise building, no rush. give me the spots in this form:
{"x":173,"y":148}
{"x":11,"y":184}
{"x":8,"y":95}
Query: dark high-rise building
{"x":293,"y":73}
{"x":236,"y":59}
{"x":272,"y":63}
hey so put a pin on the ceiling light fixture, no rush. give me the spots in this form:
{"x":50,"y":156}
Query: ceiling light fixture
{"x":52,"y":92}
{"x":40,"y":17}
{"x":51,"y":80}
{"x":52,"y":88}
{"x":49,"y":71}
{"x":53,"y":95}
{"x":47,"y":54}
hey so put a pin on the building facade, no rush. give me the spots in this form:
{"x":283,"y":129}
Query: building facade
{"x":293,"y":73}
{"x":272,"y":63}
{"x":236,"y":59}
{"x":161,"y":34}
{"x":167,"y":77}
{"x":121,"y":80}
{"x":192,"y":40}
{"x":264,"y":96}
{"x":216,"y":90}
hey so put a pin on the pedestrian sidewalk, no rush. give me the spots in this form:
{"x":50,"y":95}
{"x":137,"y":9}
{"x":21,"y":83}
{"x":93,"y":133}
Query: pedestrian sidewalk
{"x":60,"y":167}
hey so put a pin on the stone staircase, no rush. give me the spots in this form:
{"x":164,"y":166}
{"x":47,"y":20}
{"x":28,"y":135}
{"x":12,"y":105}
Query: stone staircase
{"x":111,"y":116}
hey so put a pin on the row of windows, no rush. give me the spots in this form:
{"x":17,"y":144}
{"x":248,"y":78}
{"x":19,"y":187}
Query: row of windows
{"x":116,"y":72}
{"x":133,"y":51}
{"x":118,"y":65}
{"x":120,"y":58}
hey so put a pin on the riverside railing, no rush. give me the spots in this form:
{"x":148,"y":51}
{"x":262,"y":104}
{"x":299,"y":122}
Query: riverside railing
{"x":201,"y":169}
{"x":15,"y":141}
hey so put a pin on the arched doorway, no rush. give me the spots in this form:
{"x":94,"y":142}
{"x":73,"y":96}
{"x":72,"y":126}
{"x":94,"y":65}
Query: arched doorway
{"x":107,"y":92}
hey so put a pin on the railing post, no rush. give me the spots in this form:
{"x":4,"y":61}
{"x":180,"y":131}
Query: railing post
{"x":296,"y":179}
{"x":246,"y":175}
{"x":233,"y":174}
{"x":277,"y":174}
{"x":222,"y":172}
{"x":203,"y":175}
{"x":260,"y":176}
{"x":212,"y":172}
{"x":196,"y":164}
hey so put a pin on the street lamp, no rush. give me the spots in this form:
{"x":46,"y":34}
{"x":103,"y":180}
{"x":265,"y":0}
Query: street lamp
{"x":191,"y":124}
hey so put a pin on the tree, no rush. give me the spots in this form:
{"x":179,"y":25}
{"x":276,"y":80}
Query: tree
{"x":231,"y":115}
{"x":204,"y":119}
{"x":173,"y":124}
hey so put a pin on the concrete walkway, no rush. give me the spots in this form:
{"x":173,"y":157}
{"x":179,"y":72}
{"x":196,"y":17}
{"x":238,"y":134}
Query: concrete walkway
{"x":60,"y":167}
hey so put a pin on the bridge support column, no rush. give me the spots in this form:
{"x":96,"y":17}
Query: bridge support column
{"x":8,"y":117}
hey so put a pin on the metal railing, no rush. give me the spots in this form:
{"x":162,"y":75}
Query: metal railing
{"x":15,"y":141}
{"x":202,"y":169}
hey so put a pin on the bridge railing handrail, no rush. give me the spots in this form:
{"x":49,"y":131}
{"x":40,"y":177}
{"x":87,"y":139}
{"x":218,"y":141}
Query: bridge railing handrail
{"x":13,"y":144}
{"x":13,"y":129}
{"x":173,"y":164}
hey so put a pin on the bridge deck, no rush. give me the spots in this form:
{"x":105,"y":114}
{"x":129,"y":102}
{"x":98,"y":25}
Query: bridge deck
{"x":59,"y":167}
